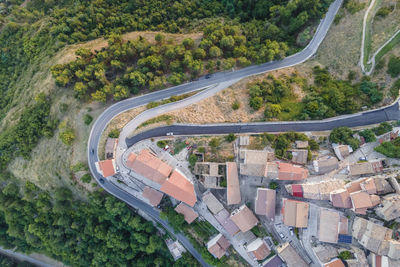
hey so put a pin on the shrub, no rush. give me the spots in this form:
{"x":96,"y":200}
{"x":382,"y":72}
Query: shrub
{"x":256,"y":102}
{"x":235,"y":105}
{"x":313,"y":144}
{"x":63,"y":107}
{"x":368,"y":135}
{"x":161,"y":143}
{"x":388,"y":149}
{"x":353,"y":6}
{"x":230,"y":137}
{"x":345,"y":255}
{"x":87,"y":119}
{"x":394,"y":90}
{"x":67,"y":136}
{"x":344,"y":135}
{"x":384,"y":11}
{"x":192,"y":160}
{"x":214,"y":143}
{"x":273,"y":185}
{"x":86,"y":178}
{"x":114,"y":133}
{"x":394,"y":67}
{"x":384,"y":127}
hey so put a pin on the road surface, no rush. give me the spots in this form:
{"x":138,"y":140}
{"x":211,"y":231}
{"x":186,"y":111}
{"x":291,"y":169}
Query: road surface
{"x":122,"y":106}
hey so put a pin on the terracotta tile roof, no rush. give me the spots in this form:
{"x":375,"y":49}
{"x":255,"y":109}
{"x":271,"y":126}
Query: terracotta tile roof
{"x":366,"y":167}
{"x":258,"y":156}
{"x":233,"y":186}
{"x":107,"y":167}
{"x":341,"y":199}
{"x":323,"y":166}
{"x":290,"y":256}
{"x":295,"y":213}
{"x":149,"y":166}
{"x":271,"y":170}
{"x":218,"y":245}
{"x":244,"y":218}
{"x":299,"y":156}
{"x":258,"y":249}
{"x":223,"y":217}
{"x":344,"y":226}
{"x":369,"y":186}
{"x":328,"y":226}
{"x":152,"y":195}
{"x":334,"y":263}
{"x":189,"y":214}
{"x":355,"y":186}
{"x":390,"y":208}
{"x":289,"y":172}
{"x":265,"y":202}
{"x":180,"y":188}
{"x":360,"y":200}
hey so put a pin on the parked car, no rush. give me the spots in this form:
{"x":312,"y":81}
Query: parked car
{"x":208,"y":76}
{"x":170,"y":133}
{"x":281,"y":235}
{"x":166,"y":147}
{"x":291,"y":230}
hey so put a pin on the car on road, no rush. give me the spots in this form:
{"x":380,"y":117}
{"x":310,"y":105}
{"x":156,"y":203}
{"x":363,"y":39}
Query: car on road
{"x":208,"y":76}
{"x":291,"y":230}
{"x":101,"y":180}
{"x":170,"y":133}
{"x":281,"y":235}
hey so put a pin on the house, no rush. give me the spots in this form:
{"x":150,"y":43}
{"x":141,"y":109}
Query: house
{"x":368,"y":186}
{"x":290,"y":172}
{"x":175,"y":248}
{"x":301,"y":144}
{"x":382,"y":185}
{"x":111,"y":146}
{"x":209,"y":174}
{"x":325,"y":165}
{"x":299,"y":156}
{"x":265,"y":203}
{"x":295,"y":213}
{"x":369,"y":167}
{"x":212,"y":202}
{"x":361,"y":201}
{"x":258,"y":249}
{"x":274,"y":261}
{"x":180,"y":188}
{"x":376,"y":238}
{"x":387,"y":137}
{"x":257,"y":156}
{"x":188,"y":213}
{"x":244,"y":140}
{"x":149,"y":166}
{"x":341,"y":199}
{"x":153,"y":196}
{"x":218,"y":246}
{"x":244,"y":218}
{"x":319,"y":191}
{"x":223,"y":217}
{"x":355,"y":185}
{"x":335,"y":263}
{"x":233,"y":187}
{"x":106,"y":167}
{"x":390,"y":207}
{"x":342,"y":151}
{"x":331,"y":224}
{"x":257,"y":170}
{"x":290,"y":256}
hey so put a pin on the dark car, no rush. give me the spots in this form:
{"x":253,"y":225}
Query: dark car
{"x":208,"y":76}
{"x":101,"y":180}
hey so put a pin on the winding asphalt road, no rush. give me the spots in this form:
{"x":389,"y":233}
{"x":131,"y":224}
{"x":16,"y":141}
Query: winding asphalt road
{"x":102,"y":121}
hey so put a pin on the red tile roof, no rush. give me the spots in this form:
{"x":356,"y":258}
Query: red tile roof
{"x":297,"y":190}
{"x":107,"y":167}
{"x":289,"y":172}
{"x":152,"y":195}
{"x":180,"y":188}
{"x":149,"y":166}
{"x":341,"y":199}
{"x":189,"y":214}
{"x":244,"y":218}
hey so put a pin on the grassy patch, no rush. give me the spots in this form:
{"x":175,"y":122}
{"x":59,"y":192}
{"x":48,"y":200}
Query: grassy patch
{"x":169,"y":100}
{"x":166,"y":118}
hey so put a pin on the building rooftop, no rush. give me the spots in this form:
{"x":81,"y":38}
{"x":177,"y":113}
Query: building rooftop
{"x":390,"y":208}
{"x":368,"y":167}
{"x":325,"y":165}
{"x":368,"y":186}
{"x":341,"y":199}
{"x":244,"y":218}
{"x":218,"y":245}
{"x":175,"y":248}
{"x":189,"y":214}
{"x":258,"y":156}
{"x":299,"y":156}
{"x":320,"y":190}
{"x":295,"y":213}
{"x":212,"y":202}
{"x":301,"y":144}
{"x":153,"y":196}
{"x":274,"y":261}
{"x":148,"y":165}
{"x":328,"y":226}
{"x":290,"y":256}
{"x":233,"y":186}
{"x":258,"y":249}
{"x":111,"y":145}
{"x":107,"y":167}
{"x":342,"y":151}
{"x":361,"y":201}
{"x":180,"y":188}
{"x":244,"y":140}
{"x":355,"y":185}
{"x":290,"y":172}
{"x":223,"y":217}
{"x":265,"y":203}
{"x":258,"y":170}
{"x":334,"y":263}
